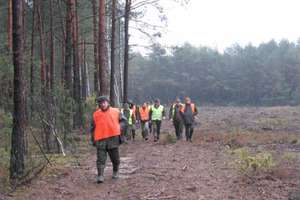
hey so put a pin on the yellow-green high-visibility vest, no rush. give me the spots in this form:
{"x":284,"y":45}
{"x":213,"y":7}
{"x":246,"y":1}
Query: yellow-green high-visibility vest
{"x":130,"y":116}
{"x":157,"y":113}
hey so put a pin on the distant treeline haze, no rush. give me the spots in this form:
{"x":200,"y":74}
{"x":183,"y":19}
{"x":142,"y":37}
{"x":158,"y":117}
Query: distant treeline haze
{"x":265,"y":75}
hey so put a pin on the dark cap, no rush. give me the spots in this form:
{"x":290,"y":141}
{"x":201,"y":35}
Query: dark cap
{"x":102,"y":99}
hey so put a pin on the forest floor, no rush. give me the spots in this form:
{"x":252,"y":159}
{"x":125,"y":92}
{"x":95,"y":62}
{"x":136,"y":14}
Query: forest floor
{"x":208,"y":168}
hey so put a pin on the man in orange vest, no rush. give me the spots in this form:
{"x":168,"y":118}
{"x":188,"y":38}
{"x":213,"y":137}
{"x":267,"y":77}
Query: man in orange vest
{"x":143,"y":113}
{"x":105,"y":135}
{"x":188,"y":112}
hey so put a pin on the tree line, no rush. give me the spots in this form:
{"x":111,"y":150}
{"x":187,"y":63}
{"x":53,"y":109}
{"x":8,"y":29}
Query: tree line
{"x":268,"y":74}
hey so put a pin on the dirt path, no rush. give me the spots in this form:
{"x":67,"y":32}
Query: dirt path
{"x":154,"y":171}
{"x":148,"y":171}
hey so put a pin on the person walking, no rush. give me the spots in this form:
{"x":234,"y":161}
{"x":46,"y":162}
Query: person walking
{"x":150,"y":104}
{"x":105,"y":135}
{"x":176,"y":117}
{"x":130,"y":117}
{"x":157,"y":114}
{"x":188,"y":113}
{"x":133,"y":109}
{"x":143,"y":113}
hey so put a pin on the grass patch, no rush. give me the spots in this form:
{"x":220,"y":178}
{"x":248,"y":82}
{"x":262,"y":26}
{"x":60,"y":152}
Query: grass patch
{"x":237,"y":139}
{"x":251,"y":164}
{"x":4,"y":170}
{"x":167,"y":138}
{"x":272,"y":123}
{"x":289,"y":158}
{"x":60,"y":160}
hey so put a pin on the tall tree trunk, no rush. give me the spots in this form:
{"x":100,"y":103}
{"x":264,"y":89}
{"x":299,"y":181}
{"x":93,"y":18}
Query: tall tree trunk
{"x":17,"y":159}
{"x":112,"y":55}
{"x":63,"y":56}
{"x":42,"y":47}
{"x":102,"y":50}
{"x":68,"y":68}
{"x":126,"y":53}
{"x":120,"y":57}
{"x":83,"y":71}
{"x":76,"y":70}
{"x":96,"y":63}
{"x":25,"y":50}
{"x":44,"y":76}
{"x":9,"y":26}
{"x":63,"y":43}
{"x":24,"y":25}
{"x":51,"y":47}
{"x":68,"y":45}
{"x":32,"y":68}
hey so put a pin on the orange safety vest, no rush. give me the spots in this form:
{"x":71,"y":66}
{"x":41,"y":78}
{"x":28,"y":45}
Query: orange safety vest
{"x":144,"y":113}
{"x":192,"y":106}
{"x":106,"y":123}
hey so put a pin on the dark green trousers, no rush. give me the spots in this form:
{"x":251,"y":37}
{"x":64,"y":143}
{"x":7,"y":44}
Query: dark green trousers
{"x":189,"y":130}
{"x":178,"y":125}
{"x":156,"y":129}
{"x":108,"y":146}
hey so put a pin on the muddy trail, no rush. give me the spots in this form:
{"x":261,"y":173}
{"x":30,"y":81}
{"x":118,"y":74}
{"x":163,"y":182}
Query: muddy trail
{"x":165,"y":170}
{"x":156,"y":171}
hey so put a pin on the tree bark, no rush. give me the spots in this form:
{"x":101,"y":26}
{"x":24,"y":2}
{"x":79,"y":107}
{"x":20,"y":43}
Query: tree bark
{"x":9,"y":26}
{"x":126,"y":51}
{"x":120,"y":39}
{"x":83,"y":71}
{"x":42,"y":48}
{"x":63,"y":43}
{"x":17,"y":159}
{"x":76,"y":70}
{"x":96,"y":63}
{"x":102,"y":50}
{"x":68,"y":47}
{"x":52,"y":53}
{"x":32,"y":68}
{"x":112,"y":55}
{"x":45,"y":79}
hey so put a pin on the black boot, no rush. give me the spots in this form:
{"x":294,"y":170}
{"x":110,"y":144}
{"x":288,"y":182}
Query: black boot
{"x":100,"y":177}
{"x":115,"y":172}
{"x":133,"y":135}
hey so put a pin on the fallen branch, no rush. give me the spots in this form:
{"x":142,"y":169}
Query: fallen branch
{"x":56,"y":136}
{"x":40,"y":147}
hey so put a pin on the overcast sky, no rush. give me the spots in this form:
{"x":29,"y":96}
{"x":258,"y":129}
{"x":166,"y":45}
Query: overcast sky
{"x":221,"y":23}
